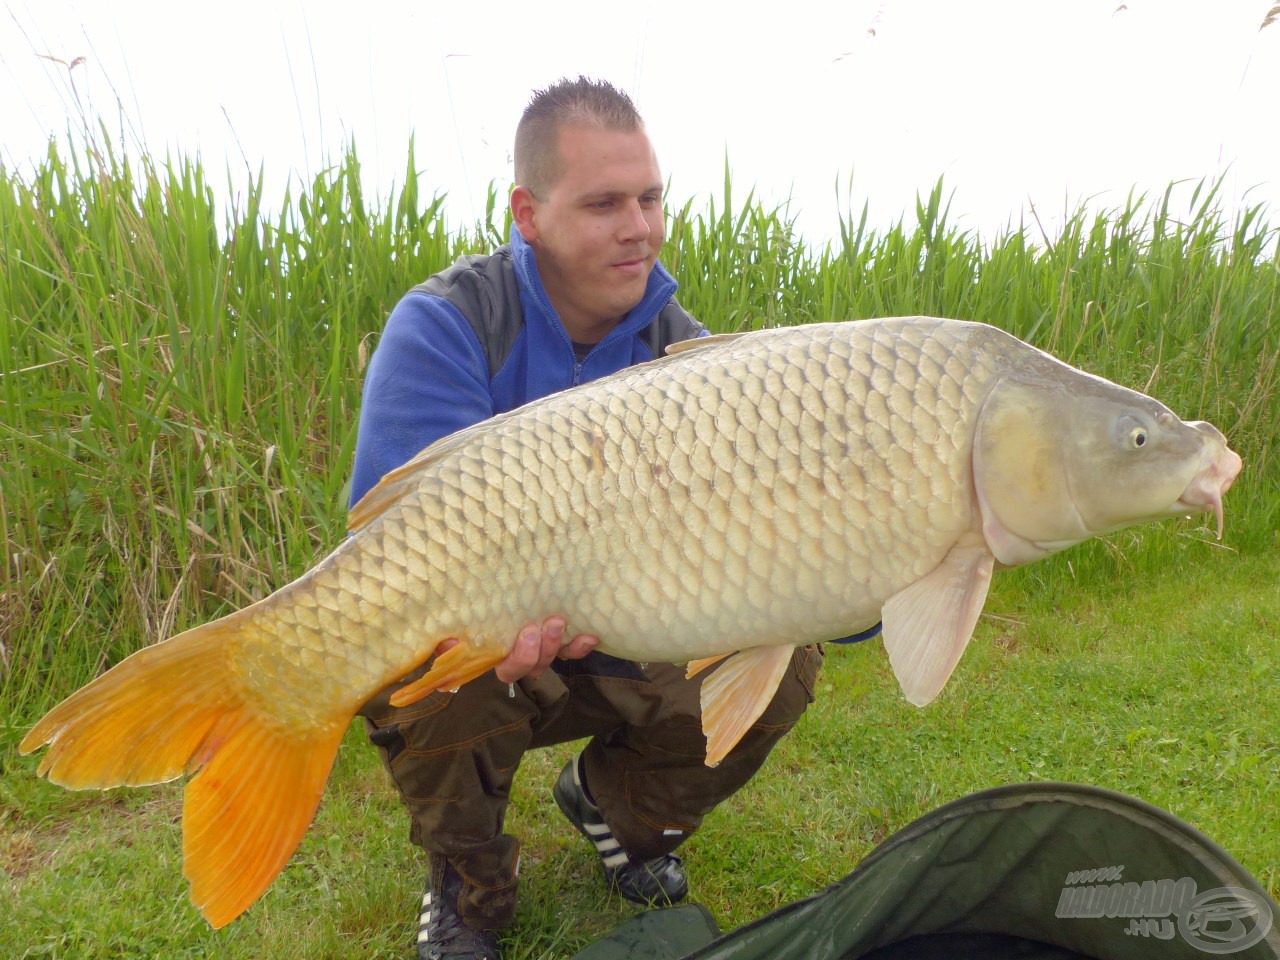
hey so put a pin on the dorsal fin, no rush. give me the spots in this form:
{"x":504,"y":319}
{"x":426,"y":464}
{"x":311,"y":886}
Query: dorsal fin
{"x":699,"y":343}
{"x":396,"y":483}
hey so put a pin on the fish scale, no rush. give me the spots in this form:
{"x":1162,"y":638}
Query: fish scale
{"x":749,"y":494}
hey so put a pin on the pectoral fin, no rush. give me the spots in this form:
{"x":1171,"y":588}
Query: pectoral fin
{"x":736,"y":694}
{"x":701,"y":343}
{"x":928,"y":625}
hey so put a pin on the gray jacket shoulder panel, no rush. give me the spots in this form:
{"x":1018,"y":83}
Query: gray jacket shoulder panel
{"x":483,"y":288}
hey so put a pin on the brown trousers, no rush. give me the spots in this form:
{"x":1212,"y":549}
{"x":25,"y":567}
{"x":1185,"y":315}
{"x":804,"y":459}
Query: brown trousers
{"x":453,"y":758}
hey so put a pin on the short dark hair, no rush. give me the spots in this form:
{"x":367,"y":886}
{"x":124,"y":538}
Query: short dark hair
{"x":585,"y":101}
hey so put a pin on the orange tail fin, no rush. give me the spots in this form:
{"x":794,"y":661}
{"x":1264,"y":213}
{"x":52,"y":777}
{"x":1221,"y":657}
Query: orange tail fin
{"x":179,"y":707}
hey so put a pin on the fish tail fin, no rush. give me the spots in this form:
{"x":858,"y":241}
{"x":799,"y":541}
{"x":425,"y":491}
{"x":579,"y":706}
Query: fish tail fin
{"x":178,"y":707}
{"x":248,"y":809}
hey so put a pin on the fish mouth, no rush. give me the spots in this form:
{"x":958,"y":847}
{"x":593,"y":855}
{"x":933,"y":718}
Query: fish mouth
{"x":1207,"y":488}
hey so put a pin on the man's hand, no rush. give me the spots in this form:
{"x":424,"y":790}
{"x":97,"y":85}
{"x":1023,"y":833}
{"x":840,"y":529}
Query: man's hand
{"x":535,"y":647}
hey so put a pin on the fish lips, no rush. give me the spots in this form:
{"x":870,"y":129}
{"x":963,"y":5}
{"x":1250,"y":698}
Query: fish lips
{"x":1218,"y":471}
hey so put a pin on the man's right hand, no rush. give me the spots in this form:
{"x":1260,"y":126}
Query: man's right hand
{"x":537,"y":645}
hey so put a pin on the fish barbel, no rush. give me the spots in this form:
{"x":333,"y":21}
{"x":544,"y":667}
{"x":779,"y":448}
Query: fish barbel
{"x":748,"y":494}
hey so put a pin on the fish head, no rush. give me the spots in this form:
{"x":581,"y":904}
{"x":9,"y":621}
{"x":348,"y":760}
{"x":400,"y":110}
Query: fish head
{"x":1062,"y":456}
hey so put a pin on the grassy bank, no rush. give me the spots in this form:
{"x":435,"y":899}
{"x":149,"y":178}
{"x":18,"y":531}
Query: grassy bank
{"x":178,"y":398}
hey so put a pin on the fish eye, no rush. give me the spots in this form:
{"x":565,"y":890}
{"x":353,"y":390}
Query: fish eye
{"x":1132,"y":432}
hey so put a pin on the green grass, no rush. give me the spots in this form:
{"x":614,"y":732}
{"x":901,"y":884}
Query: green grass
{"x":178,"y":398}
{"x":1162,"y":689}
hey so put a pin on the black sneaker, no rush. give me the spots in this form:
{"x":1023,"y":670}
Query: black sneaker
{"x":646,"y":882}
{"x":441,"y":932}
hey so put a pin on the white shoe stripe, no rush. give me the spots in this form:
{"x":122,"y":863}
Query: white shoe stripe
{"x":610,"y":851}
{"x":424,"y":918}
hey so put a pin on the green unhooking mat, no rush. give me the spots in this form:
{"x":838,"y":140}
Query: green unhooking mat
{"x":1044,"y":871}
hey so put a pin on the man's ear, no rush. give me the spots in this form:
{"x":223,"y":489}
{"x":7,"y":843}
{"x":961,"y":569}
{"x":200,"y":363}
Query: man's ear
{"x":523,"y":207}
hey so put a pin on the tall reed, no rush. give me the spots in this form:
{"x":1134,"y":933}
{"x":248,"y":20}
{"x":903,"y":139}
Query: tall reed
{"x":180,"y":377}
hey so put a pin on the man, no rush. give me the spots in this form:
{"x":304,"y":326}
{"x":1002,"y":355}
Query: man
{"x":577,"y":293}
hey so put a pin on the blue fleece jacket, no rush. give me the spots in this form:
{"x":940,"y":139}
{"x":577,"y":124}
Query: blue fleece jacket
{"x":429,"y":376}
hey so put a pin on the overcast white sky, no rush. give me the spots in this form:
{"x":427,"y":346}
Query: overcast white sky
{"x":1013,"y":101}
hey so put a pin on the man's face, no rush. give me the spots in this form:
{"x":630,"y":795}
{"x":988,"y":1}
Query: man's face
{"x":597,"y":231}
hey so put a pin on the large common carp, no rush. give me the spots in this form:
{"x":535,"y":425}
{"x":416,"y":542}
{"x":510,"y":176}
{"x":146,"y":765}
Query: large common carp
{"x":746,"y":495}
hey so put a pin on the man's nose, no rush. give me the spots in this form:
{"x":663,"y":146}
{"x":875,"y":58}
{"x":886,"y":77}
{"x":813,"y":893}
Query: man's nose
{"x":635,"y":226}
